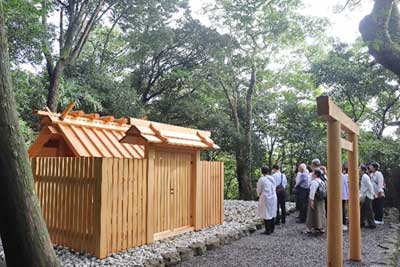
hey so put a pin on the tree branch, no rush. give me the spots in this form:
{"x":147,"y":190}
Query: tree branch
{"x":381,"y":31}
{"x":45,"y":46}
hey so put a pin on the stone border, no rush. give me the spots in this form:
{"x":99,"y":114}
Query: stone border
{"x":181,"y":254}
{"x":200,"y":248}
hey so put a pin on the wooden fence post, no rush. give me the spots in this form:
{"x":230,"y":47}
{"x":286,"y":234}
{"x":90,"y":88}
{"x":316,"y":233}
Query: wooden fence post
{"x":100,"y":198}
{"x":150,"y":192}
{"x":354,"y":201}
{"x":334,"y":235}
{"x":197,"y":191}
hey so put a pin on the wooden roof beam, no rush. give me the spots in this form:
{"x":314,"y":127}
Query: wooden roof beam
{"x":91,"y":116}
{"x":158,"y":133}
{"x":107,"y":119}
{"x":205,"y":140}
{"x":167,"y":127}
{"x":121,"y":121}
{"x":67,"y":110}
{"x":77,"y":113}
{"x":327,"y":109}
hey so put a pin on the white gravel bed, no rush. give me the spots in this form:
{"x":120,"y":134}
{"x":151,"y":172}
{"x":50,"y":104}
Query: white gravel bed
{"x":237,"y":214}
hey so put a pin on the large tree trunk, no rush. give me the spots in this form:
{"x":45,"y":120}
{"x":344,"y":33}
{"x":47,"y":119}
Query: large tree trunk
{"x":81,"y":17}
{"x":23,"y":231}
{"x":243,"y":156}
{"x":244,"y":179}
{"x":381,"y":31}
{"x":55,"y":79}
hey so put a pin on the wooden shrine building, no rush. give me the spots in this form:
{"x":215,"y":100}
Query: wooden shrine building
{"x":107,"y":184}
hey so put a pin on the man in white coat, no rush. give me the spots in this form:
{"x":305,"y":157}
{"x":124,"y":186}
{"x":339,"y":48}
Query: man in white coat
{"x":268,"y":201}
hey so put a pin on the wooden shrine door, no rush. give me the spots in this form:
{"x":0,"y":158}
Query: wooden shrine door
{"x":172,"y":193}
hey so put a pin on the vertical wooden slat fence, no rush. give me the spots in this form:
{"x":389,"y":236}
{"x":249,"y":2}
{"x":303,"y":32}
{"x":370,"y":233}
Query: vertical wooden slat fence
{"x":93,"y":205}
{"x":124,"y":183}
{"x":99,"y":205}
{"x":172,"y":191}
{"x":212,"y":184}
{"x":65,"y":188}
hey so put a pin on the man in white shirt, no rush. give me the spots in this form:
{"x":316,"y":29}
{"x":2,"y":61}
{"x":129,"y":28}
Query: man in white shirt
{"x":378,"y":183}
{"x":281,"y":183}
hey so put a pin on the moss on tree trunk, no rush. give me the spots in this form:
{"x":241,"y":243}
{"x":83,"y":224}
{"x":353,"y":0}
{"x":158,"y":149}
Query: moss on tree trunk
{"x":23,"y":231}
{"x":381,"y":31}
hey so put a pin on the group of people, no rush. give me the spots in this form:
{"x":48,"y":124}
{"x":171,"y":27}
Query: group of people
{"x":311,"y":190}
{"x":372,"y":195}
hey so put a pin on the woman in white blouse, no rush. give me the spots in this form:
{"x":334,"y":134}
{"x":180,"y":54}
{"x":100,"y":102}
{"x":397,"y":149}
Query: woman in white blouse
{"x":267,"y":202}
{"x":367,"y":195}
{"x":316,"y":209}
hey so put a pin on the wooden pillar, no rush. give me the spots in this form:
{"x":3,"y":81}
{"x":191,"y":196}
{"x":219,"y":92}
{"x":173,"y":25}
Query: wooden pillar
{"x":151,"y":153}
{"x":100,"y":207}
{"x":334,"y":229}
{"x":354,"y":201}
{"x":222,"y":173}
{"x":197,"y":219}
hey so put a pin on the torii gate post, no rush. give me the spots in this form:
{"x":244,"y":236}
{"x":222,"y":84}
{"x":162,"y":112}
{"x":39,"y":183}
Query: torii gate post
{"x":337,"y":122}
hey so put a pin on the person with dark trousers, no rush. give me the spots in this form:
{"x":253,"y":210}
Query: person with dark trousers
{"x":303,"y":189}
{"x":367,"y":195}
{"x":267,"y":200}
{"x":378,"y":183}
{"x":345,"y":195}
{"x":281,"y":183}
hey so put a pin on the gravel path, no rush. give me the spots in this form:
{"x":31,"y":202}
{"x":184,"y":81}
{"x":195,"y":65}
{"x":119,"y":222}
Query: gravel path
{"x":286,"y":247}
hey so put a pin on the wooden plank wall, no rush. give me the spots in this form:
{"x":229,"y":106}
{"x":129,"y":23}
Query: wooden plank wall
{"x":212,"y":178}
{"x":65,"y":188}
{"x":124,"y":206}
{"x":172,"y":192}
{"x":87,"y":216}
{"x":99,"y":205}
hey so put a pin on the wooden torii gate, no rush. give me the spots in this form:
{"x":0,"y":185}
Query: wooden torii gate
{"x":337,"y":122}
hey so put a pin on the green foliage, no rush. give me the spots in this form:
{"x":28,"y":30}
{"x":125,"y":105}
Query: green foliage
{"x":152,"y":58}
{"x":365,"y":91}
{"x":24,"y":31}
{"x":230,"y":181}
{"x":30,"y":94}
{"x":83,"y":96}
{"x":385,"y":151}
{"x":28,"y":134}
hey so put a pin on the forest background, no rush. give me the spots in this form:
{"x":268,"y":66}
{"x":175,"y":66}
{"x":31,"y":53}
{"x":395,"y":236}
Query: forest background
{"x":250,"y":76}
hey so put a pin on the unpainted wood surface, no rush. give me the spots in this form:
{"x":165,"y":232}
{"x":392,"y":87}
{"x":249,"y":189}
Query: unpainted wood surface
{"x":100,"y":205}
{"x":125,"y":189}
{"x":330,"y":111}
{"x":172,"y":191}
{"x":212,"y":193}
{"x":65,"y":188}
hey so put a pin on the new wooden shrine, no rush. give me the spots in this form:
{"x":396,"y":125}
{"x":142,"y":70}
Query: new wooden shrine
{"x":107,"y":184}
